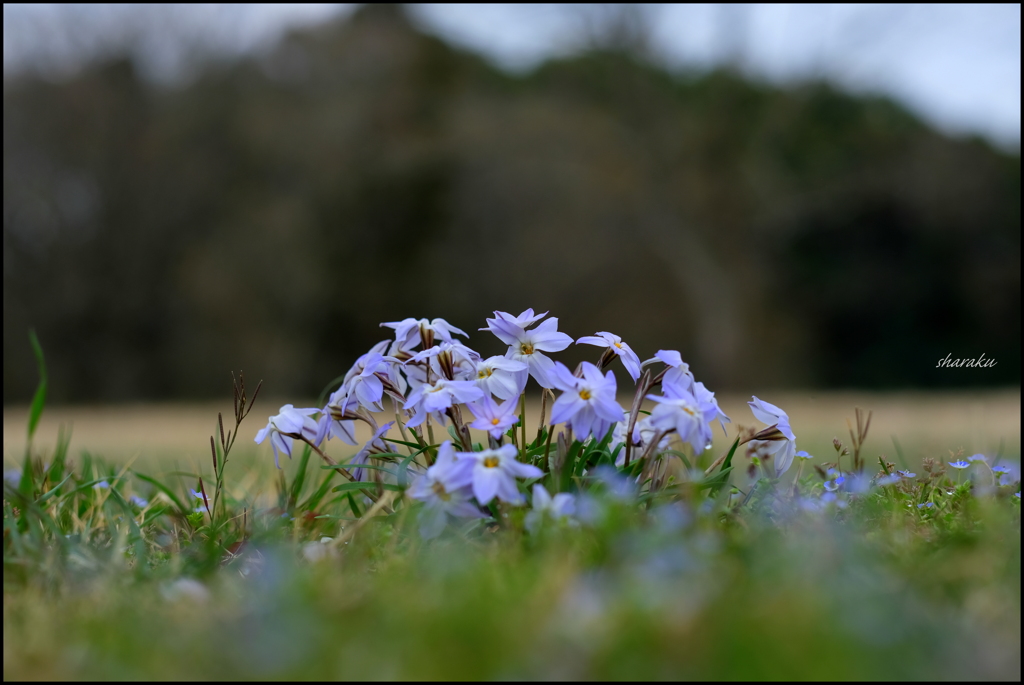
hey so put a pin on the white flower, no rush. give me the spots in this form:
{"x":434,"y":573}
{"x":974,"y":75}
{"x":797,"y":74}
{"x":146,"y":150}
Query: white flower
{"x":438,"y":396}
{"x":587,"y":403}
{"x":445,"y":491}
{"x":528,"y":346}
{"x":286,"y":424}
{"x":504,"y":378}
{"x":560,"y":507}
{"x":492,"y":473}
{"x":682,"y":414}
{"x":678,"y":375}
{"x":781,"y":451}
{"x":411,"y":332}
{"x":615,"y":344}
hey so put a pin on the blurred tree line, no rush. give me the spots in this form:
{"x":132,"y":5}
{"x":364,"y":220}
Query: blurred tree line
{"x":270,"y":214}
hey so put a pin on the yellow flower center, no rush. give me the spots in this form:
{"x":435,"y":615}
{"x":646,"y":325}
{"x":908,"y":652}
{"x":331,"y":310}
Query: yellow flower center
{"x":526,"y":348}
{"x":495,"y":422}
{"x":485,"y":373}
{"x":491,"y":462}
{"x":618,"y":345}
{"x":584,"y":394}
{"x":439,"y":490}
{"x":689,"y":411}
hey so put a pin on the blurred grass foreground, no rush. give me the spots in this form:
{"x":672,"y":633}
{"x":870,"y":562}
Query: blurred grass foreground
{"x":583,"y":563}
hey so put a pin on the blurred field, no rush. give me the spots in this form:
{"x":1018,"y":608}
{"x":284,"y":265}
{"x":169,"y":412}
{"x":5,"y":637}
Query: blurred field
{"x":926,"y":424}
{"x":687,"y":588}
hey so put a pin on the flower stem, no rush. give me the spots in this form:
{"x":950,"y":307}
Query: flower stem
{"x":547,"y":447}
{"x":522,"y":421}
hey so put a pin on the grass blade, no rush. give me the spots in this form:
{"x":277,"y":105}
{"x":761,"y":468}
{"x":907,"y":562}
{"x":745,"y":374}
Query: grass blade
{"x":39,"y":399}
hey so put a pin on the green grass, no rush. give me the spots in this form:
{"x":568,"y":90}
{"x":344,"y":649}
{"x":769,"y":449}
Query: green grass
{"x":681,"y":587}
{"x":716,"y":576}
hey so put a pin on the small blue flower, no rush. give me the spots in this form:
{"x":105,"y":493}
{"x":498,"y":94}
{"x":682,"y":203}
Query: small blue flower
{"x":833,"y":485}
{"x":976,"y":457}
{"x":138,"y":501}
{"x":1001,"y":469}
{"x":907,"y":474}
{"x":102,"y":485}
{"x":891,"y":479}
{"x":926,"y":505}
{"x":202,"y":501}
{"x":959,"y":464}
{"x":804,"y":455}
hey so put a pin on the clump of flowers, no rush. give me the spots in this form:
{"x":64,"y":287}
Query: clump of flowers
{"x":455,"y":437}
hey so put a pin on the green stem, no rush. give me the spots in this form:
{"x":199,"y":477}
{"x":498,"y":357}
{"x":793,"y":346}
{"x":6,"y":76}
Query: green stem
{"x":547,"y":447}
{"x":522,"y":420}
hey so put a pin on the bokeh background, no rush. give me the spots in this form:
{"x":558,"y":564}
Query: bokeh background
{"x":793,"y":197}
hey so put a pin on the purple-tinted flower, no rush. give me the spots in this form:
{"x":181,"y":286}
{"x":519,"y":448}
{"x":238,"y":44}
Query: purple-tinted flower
{"x":772,"y":415}
{"x":523,"y":320}
{"x":412,"y":332}
{"x":560,"y":507}
{"x":834,"y":484}
{"x":501,"y":377}
{"x":337,"y":420}
{"x":202,"y":501}
{"x":493,"y":473}
{"x":976,"y":457}
{"x":370,"y":377}
{"x":588,"y":403}
{"x":804,"y":455}
{"x":678,"y":374}
{"x":781,"y":450}
{"x":366,"y":386}
{"x":456,"y":349}
{"x":443,"y":496}
{"x":643,"y":433}
{"x":907,"y":474}
{"x":451,"y":360}
{"x":708,"y":404}
{"x":139,"y":501}
{"x":1008,"y":473}
{"x":528,"y":346}
{"x":619,"y":434}
{"x":504,"y":325}
{"x":682,"y":414}
{"x":926,"y":505}
{"x":375,"y":445}
{"x":890,"y":479}
{"x":102,"y":485}
{"x":615,"y":344}
{"x":287,"y":424}
{"x":831,"y":475}
{"x":494,"y":418}
{"x":431,"y":398}
{"x":357,"y":368}
{"x":13,"y":477}
{"x":617,"y":486}
{"x":811,"y":505}
{"x":959,"y":464}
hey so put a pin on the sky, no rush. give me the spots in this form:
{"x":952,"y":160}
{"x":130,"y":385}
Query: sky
{"x":956,"y":66}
